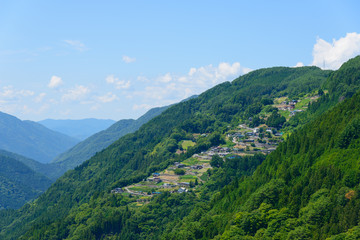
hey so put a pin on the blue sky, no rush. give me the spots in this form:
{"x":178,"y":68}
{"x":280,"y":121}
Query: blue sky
{"x":117,"y":59}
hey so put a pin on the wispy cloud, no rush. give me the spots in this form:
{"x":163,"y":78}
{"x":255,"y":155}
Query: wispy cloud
{"x":39,"y":98}
{"x":55,"y":82}
{"x":76,"y":93}
{"x":119,"y":84}
{"x":107,"y":98}
{"x":77,"y":45}
{"x":170,"y":88}
{"x":333,"y":55}
{"x":128,"y":59}
{"x":9,"y":93}
{"x":141,"y":106}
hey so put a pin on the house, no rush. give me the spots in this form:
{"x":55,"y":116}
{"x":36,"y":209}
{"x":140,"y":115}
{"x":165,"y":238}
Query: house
{"x":249,"y":134}
{"x":256,"y":130}
{"x":185,"y":184}
{"x":196,"y":167}
{"x":206,"y":157}
{"x":157,"y":180}
{"x":181,"y":165}
{"x":182,"y":190}
{"x":117,"y":190}
{"x":166,"y":185}
{"x":156,"y":174}
{"x":238,"y":135}
{"x":269,"y":130}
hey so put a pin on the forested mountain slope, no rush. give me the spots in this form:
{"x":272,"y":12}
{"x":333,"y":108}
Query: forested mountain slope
{"x":78,"y":129}
{"x":151,"y":148}
{"x":48,"y":170}
{"x":18,"y":183}
{"x":99,"y":141}
{"x":31,"y":139}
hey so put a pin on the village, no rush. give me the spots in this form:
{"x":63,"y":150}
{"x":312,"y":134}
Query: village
{"x":182,"y":177}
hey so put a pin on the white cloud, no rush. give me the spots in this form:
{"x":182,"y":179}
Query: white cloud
{"x":141,"y":106}
{"x":170,"y":88}
{"x":165,"y":79}
{"x":128,"y":59}
{"x":142,"y":79}
{"x":26,"y":109}
{"x":12,"y":100}
{"x":77,"y":45}
{"x":55,"y":82}
{"x":226,"y":69}
{"x":119,"y":84}
{"x":299,"y":64}
{"x":333,"y":55}
{"x":8,"y":92}
{"x":192,"y":71}
{"x":76,"y":93}
{"x":40,"y":97}
{"x":109,"y":97}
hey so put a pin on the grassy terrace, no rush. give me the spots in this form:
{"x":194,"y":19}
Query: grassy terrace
{"x":187,"y":143}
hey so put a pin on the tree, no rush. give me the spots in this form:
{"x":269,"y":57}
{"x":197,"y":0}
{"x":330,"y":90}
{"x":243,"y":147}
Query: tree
{"x":216,"y":161}
{"x":275,"y":120}
{"x":179,"y":171}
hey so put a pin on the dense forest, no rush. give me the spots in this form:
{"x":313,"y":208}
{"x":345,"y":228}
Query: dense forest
{"x":19,"y":183}
{"x":307,"y":188}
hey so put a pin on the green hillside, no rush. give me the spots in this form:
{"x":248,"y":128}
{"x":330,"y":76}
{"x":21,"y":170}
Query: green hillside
{"x":101,"y":140}
{"x":50,"y":170}
{"x":152,"y":148}
{"x":18,"y":183}
{"x":31,"y":139}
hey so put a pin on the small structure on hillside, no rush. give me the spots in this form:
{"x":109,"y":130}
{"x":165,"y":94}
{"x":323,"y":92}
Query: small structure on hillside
{"x":182,"y":190}
{"x":185,"y":184}
{"x":117,"y":190}
{"x":196,"y":167}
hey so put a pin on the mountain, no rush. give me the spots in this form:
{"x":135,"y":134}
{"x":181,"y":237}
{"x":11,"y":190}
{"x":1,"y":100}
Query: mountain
{"x":79,"y":205}
{"x":78,"y":129}
{"x":50,"y":170}
{"x":18,"y":183}
{"x":101,"y":140}
{"x":31,"y":139}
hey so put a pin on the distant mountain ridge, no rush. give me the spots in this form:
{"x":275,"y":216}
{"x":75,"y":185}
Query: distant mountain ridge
{"x":79,"y":129}
{"x":32,"y":139}
{"x":101,"y":140}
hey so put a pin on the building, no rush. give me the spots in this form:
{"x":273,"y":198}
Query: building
{"x":182,"y":190}
{"x":196,"y":167}
{"x":117,"y":190}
